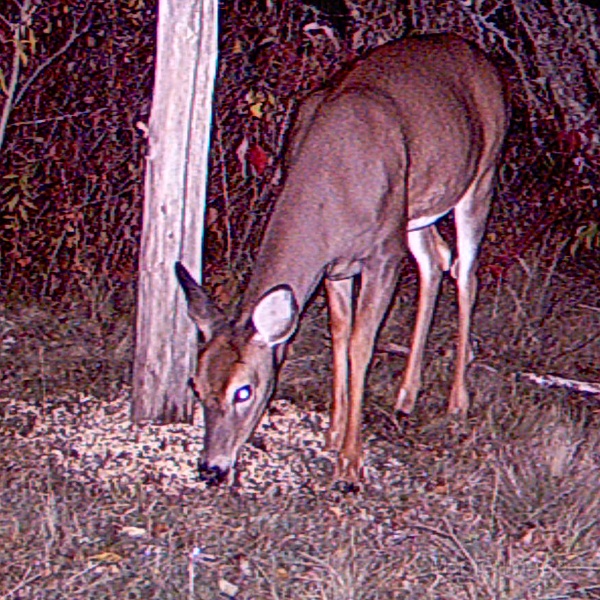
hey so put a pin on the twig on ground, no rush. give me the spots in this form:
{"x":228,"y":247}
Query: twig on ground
{"x":393,"y":348}
{"x":588,"y":307}
{"x":555,"y":381}
{"x":469,"y":558}
{"x":24,"y":581}
{"x":451,"y":536}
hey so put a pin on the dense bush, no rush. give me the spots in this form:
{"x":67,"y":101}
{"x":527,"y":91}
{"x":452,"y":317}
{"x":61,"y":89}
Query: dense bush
{"x":76,"y":83}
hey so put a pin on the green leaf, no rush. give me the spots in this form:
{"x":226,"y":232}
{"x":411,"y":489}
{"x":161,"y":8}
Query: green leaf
{"x":588,"y":235}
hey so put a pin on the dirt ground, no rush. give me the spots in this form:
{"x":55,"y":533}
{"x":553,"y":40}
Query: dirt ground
{"x":503,"y":506}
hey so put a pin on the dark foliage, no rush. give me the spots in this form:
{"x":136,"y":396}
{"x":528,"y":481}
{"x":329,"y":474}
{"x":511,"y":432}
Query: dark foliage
{"x":73,"y":143}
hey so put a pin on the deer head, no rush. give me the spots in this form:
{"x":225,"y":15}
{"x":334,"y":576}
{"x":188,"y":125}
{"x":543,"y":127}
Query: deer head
{"x":237,"y":366}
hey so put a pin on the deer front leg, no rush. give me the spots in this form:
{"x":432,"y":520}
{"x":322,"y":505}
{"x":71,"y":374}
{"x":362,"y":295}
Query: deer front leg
{"x":339,"y":297}
{"x":433,"y":257}
{"x":377,"y":286}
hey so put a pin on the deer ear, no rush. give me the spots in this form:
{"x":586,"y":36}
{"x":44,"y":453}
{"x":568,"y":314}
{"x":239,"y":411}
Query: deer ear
{"x":201,"y":308}
{"x":275,"y":317}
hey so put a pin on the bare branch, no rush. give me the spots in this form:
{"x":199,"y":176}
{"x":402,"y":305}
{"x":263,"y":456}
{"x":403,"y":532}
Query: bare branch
{"x":15,"y":72}
{"x":555,"y":381}
{"x":81,"y":113}
{"x":75,"y":34}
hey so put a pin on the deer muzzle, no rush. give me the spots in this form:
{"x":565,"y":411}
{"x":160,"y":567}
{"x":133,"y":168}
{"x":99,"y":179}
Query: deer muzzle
{"x":212,"y":475}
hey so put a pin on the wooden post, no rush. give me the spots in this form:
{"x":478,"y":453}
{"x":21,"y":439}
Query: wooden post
{"x":175,"y":188}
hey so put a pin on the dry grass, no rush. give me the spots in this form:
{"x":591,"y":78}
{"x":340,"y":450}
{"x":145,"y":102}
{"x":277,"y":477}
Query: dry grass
{"x":504,"y":506}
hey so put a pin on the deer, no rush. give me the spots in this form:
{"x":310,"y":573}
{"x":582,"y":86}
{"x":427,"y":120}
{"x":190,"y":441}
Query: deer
{"x":411,"y":132}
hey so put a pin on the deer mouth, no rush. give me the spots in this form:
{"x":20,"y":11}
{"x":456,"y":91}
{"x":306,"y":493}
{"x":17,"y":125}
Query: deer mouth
{"x":212,"y":475}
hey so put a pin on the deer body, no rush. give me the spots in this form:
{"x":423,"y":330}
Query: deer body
{"x":412,"y":132}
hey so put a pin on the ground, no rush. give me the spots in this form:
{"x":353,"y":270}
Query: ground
{"x":503,"y":505}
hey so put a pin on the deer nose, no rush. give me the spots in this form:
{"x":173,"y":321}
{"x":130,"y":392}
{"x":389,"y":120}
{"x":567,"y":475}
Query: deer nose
{"x":212,"y":475}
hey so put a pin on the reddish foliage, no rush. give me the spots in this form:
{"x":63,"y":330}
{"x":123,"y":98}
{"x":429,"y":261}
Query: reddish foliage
{"x":258,"y":158}
{"x":72,"y":154}
{"x":73,"y":158}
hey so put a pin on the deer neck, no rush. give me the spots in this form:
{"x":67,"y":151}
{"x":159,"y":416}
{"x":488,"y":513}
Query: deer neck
{"x":334,"y":205}
{"x":294,"y":252}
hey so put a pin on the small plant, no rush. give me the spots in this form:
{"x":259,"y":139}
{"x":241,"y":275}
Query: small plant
{"x":587,"y":236}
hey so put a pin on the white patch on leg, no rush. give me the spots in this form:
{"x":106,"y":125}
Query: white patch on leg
{"x":422,"y":222}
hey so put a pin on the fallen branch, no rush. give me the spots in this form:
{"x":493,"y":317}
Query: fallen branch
{"x":587,"y":307}
{"x":555,"y":381}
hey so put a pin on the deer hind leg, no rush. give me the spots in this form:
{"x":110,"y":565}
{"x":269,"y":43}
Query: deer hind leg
{"x":470,"y":219}
{"x":377,"y":287}
{"x":433,"y":258}
{"x":339,"y":296}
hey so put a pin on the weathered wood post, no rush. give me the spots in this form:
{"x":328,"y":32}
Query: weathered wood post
{"x":175,"y":188}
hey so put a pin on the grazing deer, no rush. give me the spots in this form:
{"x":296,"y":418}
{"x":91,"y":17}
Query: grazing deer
{"x":410,"y":133}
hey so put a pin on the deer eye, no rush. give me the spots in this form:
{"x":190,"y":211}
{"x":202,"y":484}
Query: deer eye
{"x":243,"y":394}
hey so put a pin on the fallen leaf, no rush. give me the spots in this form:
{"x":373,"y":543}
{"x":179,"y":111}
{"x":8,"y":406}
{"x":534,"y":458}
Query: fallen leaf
{"x":228,"y":588}
{"x":337,"y":511}
{"x":256,"y":109}
{"x":258,"y":158}
{"x":107,"y":557}
{"x":134,"y":532}
{"x":244,"y":565}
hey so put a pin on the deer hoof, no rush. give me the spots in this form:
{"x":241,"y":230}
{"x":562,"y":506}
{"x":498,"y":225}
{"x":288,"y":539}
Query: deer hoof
{"x":406,"y":401}
{"x":459,"y":402}
{"x":333,"y":440}
{"x":349,"y":469}
{"x":346,"y":487}
{"x":212,"y":476}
